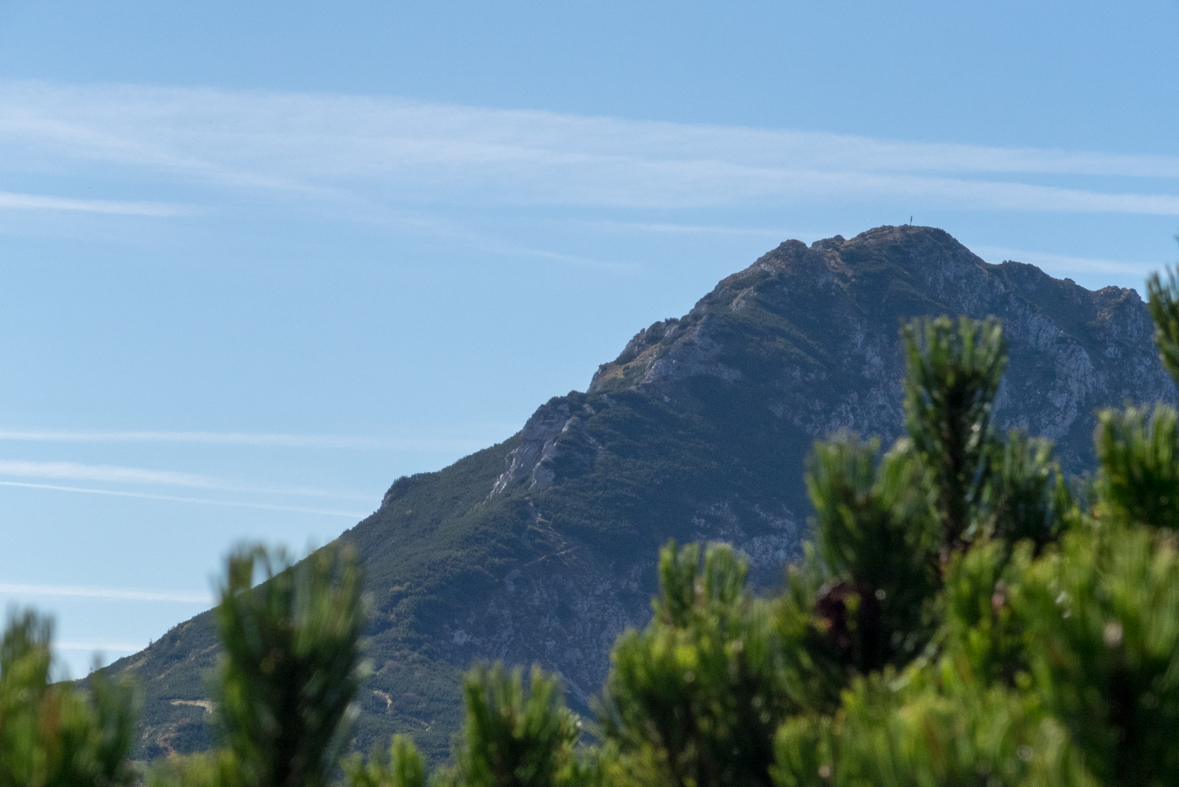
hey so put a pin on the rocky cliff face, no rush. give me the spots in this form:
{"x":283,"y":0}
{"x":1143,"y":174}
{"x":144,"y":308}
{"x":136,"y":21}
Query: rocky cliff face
{"x":841,"y":302}
{"x":543,"y":549}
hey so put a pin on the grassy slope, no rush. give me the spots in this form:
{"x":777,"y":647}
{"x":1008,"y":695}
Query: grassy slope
{"x":413,"y":552}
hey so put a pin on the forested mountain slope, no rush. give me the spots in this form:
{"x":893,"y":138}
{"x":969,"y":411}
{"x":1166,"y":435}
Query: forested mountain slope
{"x":542,"y":549}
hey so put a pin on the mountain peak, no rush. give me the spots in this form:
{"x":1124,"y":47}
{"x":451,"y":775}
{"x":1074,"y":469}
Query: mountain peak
{"x":542,"y":549}
{"x":905,"y":263}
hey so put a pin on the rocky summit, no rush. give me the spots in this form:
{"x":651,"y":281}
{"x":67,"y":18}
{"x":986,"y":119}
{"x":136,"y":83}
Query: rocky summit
{"x":542,"y":549}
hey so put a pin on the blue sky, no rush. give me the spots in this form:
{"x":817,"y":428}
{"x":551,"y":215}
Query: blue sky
{"x":259,"y":259}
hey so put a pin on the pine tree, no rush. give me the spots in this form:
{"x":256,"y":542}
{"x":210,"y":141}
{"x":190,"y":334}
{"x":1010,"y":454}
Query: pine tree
{"x":401,"y":766}
{"x":291,"y":665}
{"x":694,"y":699}
{"x":953,"y":373}
{"x":59,"y":734}
{"x":515,"y":735}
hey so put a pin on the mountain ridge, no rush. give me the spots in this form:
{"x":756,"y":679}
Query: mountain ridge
{"x":542,"y":548}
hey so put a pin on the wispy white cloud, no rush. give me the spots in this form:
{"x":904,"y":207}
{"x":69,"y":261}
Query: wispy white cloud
{"x":587,"y":262}
{"x":109,"y":473}
{"x":198,"y":500}
{"x":13,"y":201}
{"x":111,"y":594}
{"x":100,"y":647}
{"x":247,"y":439}
{"x":75,"y":471}
{"x":383,"y":152}
{"x":693,"y":229}
{"x":115,"y":474}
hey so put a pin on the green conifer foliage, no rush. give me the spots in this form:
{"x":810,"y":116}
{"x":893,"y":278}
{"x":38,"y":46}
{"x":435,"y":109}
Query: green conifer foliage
{"x":695,"y":698}
{"x":953,"y":373}
{"x":515,"y":736}
{"x":59,"y":735}
{"x":1138,"y":478}
{"x":983,"y":634}
{"x":1026,"y":497}
{"x":894,"y":732}
{"x":1102,"y":616}
{"x":1164,"y":309}
{"x":879,"y":546}
{"x":291,"y":664}
{"x":401,"y":766}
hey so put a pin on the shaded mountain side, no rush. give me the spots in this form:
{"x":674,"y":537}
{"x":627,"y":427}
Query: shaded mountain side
{"x":543,"y":548}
